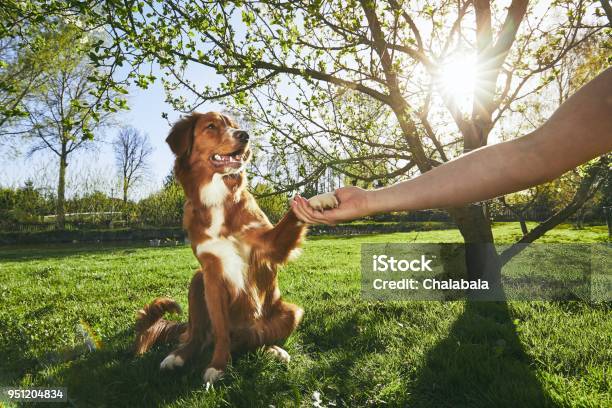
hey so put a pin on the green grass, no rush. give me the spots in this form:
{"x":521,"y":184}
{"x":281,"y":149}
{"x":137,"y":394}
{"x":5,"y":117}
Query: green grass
{"x":352,"y":352}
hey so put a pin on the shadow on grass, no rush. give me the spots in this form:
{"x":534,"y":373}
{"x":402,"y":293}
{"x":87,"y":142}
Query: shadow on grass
{"x":114,"y":377}
{"x":108,"y":377}
{"x":26,"y":253}
{"x":480,"y":364}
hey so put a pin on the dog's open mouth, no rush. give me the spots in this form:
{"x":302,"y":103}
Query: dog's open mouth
{"x":234,"y":160}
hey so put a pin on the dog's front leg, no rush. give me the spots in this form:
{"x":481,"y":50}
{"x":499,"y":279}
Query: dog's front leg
{"x":283,"y":238}
{"x":287,"y":234}
{"x":217,"y":302}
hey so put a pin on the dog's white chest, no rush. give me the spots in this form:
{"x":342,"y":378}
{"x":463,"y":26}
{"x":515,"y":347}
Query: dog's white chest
{"x":233,"y":253}
{"x":232,"y":260}
{"x":217,"y":219}
{"x":213,"y":193}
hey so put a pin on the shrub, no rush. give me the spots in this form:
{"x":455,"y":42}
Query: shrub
{"x":164,"y":208}
{"x":275,"y":206}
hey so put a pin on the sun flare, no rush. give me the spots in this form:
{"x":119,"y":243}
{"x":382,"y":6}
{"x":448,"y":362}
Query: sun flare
{"x":458,"y":78}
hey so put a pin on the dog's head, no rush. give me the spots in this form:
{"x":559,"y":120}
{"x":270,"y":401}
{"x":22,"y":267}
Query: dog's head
{"x":212,"y":140}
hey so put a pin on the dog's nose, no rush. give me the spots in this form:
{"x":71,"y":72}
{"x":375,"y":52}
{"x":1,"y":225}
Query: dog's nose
{"x":243,"y":136}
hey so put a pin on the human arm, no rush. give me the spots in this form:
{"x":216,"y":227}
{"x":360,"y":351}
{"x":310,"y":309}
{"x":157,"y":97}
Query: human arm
{"x":579,"y":130}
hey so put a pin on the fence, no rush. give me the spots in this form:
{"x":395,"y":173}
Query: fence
{"x":502,"y":215}
{"x":108,"y":222}
{"x":89,"y":236}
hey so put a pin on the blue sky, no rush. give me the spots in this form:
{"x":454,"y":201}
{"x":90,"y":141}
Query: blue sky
{"x":146,"y":107}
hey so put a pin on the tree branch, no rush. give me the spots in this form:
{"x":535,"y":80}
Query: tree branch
{"x":586,"y":190}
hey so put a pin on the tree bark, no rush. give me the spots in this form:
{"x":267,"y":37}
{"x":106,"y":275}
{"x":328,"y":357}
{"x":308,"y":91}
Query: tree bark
{"x":605,"y":4}
{"x":126,"y":186}
{"x":400,"y":107}
{"x":481,"y":258}
{"x":524,"y":228}
{"x":60,"y":213}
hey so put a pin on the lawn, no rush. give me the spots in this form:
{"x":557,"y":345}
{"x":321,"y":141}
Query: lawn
{"x":346,"y":352}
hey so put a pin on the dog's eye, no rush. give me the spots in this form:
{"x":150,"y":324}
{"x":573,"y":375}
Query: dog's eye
{"x":211,"y":126}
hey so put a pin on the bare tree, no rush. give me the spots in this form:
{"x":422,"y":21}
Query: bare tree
{"x":132,"y":153}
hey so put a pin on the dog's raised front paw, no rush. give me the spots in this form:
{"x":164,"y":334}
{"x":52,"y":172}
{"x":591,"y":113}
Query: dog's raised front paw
{"x":279,"y":354}
{"x":323,"y":201}
{"x":211,"y":375}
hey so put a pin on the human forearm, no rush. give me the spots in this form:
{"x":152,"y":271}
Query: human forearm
{"x":578,"y":131}
{"x":472,"y":177}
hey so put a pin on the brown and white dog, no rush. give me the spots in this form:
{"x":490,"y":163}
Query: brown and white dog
{"x":234,"y":299}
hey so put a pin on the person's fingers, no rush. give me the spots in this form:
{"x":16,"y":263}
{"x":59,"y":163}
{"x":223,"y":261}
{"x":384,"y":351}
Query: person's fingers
{"x":308,"y":214}
{"x":298,"y":211}
{"x":303,"y":217}
{"x":319,"y":217}
{"x":326,"y":217}
{"x":313,"y":215}
{"x":302,"y":213}
{"x":304,"y":204}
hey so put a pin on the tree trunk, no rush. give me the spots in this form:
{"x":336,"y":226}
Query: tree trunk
{"x":126,"y":186}
{"x":524,"y":228}
{"x":605,"y":4}
{"x":60,"y":215}
{"x":481,"y":258}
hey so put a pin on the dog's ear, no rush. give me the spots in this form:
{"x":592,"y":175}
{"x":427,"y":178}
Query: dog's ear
{"x":230,"y":121}
{"x":180,"y":138}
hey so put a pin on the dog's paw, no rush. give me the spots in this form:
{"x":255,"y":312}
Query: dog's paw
{"x":323,"y":201}
{"x":211,"y":375}
{"x":171,"y":362}
{"x":279,"y":354}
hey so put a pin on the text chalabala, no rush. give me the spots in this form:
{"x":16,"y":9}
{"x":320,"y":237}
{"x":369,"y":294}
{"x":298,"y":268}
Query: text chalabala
{"x":384,"y":263}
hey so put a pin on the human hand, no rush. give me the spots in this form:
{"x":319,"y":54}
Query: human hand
{"x":353,"y":203}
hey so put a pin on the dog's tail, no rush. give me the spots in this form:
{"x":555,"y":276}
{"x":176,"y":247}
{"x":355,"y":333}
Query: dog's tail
{"x":152,"y":329}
